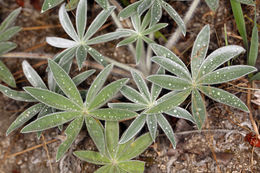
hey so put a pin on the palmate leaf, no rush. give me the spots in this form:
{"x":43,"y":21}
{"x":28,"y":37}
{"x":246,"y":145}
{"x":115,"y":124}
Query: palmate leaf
{"x":66,"y":23}
{"x":137,"y":147}
{"x":128,"y":106}
{"x":6,"y":75}
{"x":81,"y":54}
{"x":107,"y":93}
{"x":49,"y":4}
{"x":132,"y":166}
{"x":224,"y":97}
{"x":179,"y":112}
{"x":16,"y":95}
{"x":167,"y":129}
{"x":141,"y":85}
{"x":112,"y":136}
{"x":109,"y":168}
{"x":92,"y":157}
{"x":151,"y":121}
{"x":112,"y":114}
{"x":60,"y":42}
{"x":103,"y":3}
{"x":98,"y":83}
{"x":199,"y":50}
{"x":129,"y":10}
{"x":253,"y":52}
{"x":175,"y":16}
{"x":81,"y":18}
{"x":198,"y":108}
{"x":24,"y":117}
{"x":219,"y":57}
{"x":49,"y":121}
{"x":32,"y":76}
{"x":133,"y":95}
{"x":9,"y":33}
{"x":6,"y":47}
{"x":169,"y":103}
{"x":52,"y":99}
{"x":172,"y":67}
{"x":133,"y":129}
{"x":98,"y":22}
{"x":226,"y":74}
{"x":82,"y":76}
{"x":71,"y":132}
{"x":96,"y":132}
{"x":170,"y":82}
{"x":97,"y":56}
{"x":156,"y":12}
{"x":156,"y":89}
{"x":9,"y":20}
{"x":247,"y":2}
{"x":145,"y":4}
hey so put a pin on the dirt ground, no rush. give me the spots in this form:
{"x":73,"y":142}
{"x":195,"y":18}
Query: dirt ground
{"x":220,"y":148}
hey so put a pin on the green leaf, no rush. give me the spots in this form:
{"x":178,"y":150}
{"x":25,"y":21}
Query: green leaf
{"x":127,"y":41}
{"x":133,"y":129}
{"x":97,"y":56}
{"x":110,"y":114}
{"x":198,"y":108}
{"x":240,"y":21}
{"x":71,"y":5}
{"x":179,"y":112}
{"x":82,"y":76}
{"x":172,"y":67}
{"x":163,"y":51}
{"x":227,"y":74}
{"x":108,"y":37}
{"x":175,"y":16}
{"x":224,"y":97}
{"x":247,"y":2}
{"x":102,"y":3}
{"x":98,"y":83}
{"x":167,"y":129}
{"x":81,"y":18}
{"x":133,"y":95}
{"x":32,"y":76}
{"x":255,"y":77}
{"x":112,"y":136}
{"x":139,"y":50}
{"x":52,"y":99}
{"x":253,"y":52}
{"x":6,"y":75}
{"x":16,"y":95}
{"x":98,"y":22}
{"x":61,"y":42}
{"x":24,"y":117}
{"x":122,"y":148}
{"x":137,"y":147}
{"x":104,"y":169}
{"x":128,"y":106}
{"x":71,"y":132}
{"x":146,"y":20}
{"x":6,"y":47}
{"x":96,"y":132}
{"x":136,"y":22}
{"x":92,"y":157}
{"x":66,"y":23}
{"x":132,"y":166}
{"x":65,"y":54}
{"x":154,"y":28}
{"x":9,"y":20}
{"x":49,"y":4}
{"x":65,"y":83}
{"x":9,"y":33}
{"x":199,"y":50}
{"x":49,"y":121}
{"x":151,"y":121}
{"x":107,"y":93}
{"x":156,"y":12}
{"x":213,"y":4}
{"x":156,"y":89}
{"x":170,"y":82}
{"x":145,"y":4}
{"x":141,"y":85}
{"x":219,"y":57}
{"x":169,"y":103}
{"x":129,"y":10}
{"x":81,"y":54}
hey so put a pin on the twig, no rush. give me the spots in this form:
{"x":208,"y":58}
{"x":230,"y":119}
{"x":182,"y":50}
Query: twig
{"x":176,"y":35}
{"x":47,"y":152}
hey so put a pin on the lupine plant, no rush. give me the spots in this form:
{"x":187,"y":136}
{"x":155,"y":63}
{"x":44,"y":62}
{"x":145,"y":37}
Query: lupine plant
{"x":7,"y":31}
{"x":60,"y":102}
{"x":114,"y":156}
{"x":204,"y":72}
{"x":145,"y":100}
